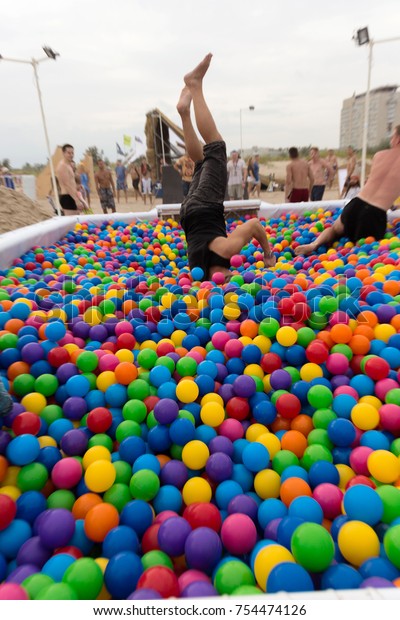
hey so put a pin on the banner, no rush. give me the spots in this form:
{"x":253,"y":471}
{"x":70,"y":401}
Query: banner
{"x":127,"y":141}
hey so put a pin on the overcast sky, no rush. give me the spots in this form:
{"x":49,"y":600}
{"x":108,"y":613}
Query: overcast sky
{"x":293,"y":61}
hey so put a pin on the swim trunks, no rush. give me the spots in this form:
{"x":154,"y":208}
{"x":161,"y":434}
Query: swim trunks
{"x":202,"y":211}
{"x":135,"y":183}
{"x":317,"y":192}
{"x":107,"y":199}
{"x":299,"y":195}
{"x":361,"y":219}
{"x":121,"y":185}
{"x":67,"y":202}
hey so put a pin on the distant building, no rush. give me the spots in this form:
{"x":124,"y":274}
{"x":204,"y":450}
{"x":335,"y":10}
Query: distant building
{"x":384,"y":114}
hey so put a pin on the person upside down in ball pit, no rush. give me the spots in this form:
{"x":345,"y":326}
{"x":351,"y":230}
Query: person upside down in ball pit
{"x":366,"y":214}
{"x":202,"y":211}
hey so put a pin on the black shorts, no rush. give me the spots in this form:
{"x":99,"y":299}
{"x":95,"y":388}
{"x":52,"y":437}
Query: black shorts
{"x":361,"y":219}
{"x":135,"y":183}
{"x":67,"y":202}
{"x":202,"y":211}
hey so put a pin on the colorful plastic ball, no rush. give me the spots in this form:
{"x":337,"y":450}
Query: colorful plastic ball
{"x":219,"y":467}
{"x":358,"y":542}
{"x":361,"y":503}
{"x":56,"y":528}
{"x":238,"y":534}
{"x":144,"y":485}
{"x":312,"y":547}
{"x":56,"y":566}
{"x":384,"y":466}
{"x":161,"y":579}
{"x":8,"y":510}
{"x":12,"y":592}
{"x":231,"y":575}
{"x":66,"y":473}
{"x":203,"y":515}
{"x":100,"y":476}
{"x":341,"y":432}
{"x":187,"y":391}
{"x":99,"y":520}
{"x":22,"y":450}
{"x":267,"y":559}
{"x":319,"y":396}
{"x":212,"y":414}
{"x":122,"y":574}
{"x":166,"y":411}
{"x":203,"y":549}
{"x":85,"y":577}
{"x":341,"y":577}
{"x":255,"y":457}
{"x":289,"y":577}
{"x":195,"y":454}
{"x":306,"y":508}
{"x":137,"y":515}
{"x":196,"y":490}
{"x":391,"y":542}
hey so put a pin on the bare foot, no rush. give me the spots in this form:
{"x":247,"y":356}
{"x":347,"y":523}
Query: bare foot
{"x":185,"y":99}
{"x":305,"y":249}
{"x":195,"y":77}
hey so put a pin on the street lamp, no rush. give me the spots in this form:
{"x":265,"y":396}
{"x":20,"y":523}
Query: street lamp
{"x":362,"y":38}
{"x":50,"y":55}
{"x":251,"y":108}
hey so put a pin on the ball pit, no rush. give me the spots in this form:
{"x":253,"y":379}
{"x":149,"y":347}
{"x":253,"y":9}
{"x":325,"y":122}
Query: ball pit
{"x":173,"y":437}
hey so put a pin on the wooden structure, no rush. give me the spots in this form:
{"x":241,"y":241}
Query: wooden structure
{"x":160,"y":150}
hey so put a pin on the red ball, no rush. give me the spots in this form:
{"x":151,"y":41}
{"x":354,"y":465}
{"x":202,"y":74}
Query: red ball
{"x":58,"y":356}
{"x":238,"y":408}
{"x":377,"y":368}
{"x":270,"y":362}
{"x":317,"y":352}
{"x":288,"y":406}
{"x":151,"y":402}
{"x":150,"y":538}
{"x":164,"y":348}
{"x":161,"y":579}
{"x":26,"y":423}
{"x":8,"y":510}
{"x":70,"y":550}
{"x":203,"y":515}
{"x":126,"y":341}
{"x":99,"y":420}
{"x":360,"y":480}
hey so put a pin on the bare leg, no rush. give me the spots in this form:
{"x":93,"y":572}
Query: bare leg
{"x":327,"y":237}
{"x":241,"y":236}
{"x":192,"y":143}
{"x":126,"y":195}
{"x":204,"y":120}
{"x":118,"y":196}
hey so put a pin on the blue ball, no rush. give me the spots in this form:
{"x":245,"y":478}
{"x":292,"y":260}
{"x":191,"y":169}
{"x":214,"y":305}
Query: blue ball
{"x":362,"y":503}
{"x":225,"y":492}
{"x":167,"y":390}
{"x":295,"y":471}
{"x":55,"y":331}
{"x":197,"y":274}
{"x":159,"y":375}
{"x":78,"y":385}
{"x":255,"y":456}
{"x":147,"y":461}
{"x":375,"y":440}
{"x":168,"y":498}
{"x":30,"y":505}
{"x":13,"y":537}
{"x":58,"y":428}
{"x":203,"y":432}
{"x":79,"y":538}
{"x":131,"y":448}
{"x":23,"y":450}
{"x":341,"y":432}
{"x":286,"y":528}
{"x":343,"y":404}
{"x":306,"y":508}
{"x":242,"y":476}
{"x":341,"y":577}
{"x":182,"y":431}
{"x":379,"y":567}
{"x":270,"y":509}
{"x":122,"y":574}
{"x":56,"y":566}
{"x":323,"y":471}
{"x":265,"y":412}
{"x":120,"y":538}
{"x":116,"y":395}
{"x":290,"y":578}
{"x":138,"y":515}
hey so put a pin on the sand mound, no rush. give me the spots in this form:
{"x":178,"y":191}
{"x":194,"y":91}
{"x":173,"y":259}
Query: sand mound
{"x":17,"y":210}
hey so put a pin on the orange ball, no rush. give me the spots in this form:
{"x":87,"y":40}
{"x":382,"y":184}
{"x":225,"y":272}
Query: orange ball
{"x":14,"y":325}
{"x":302,"y":423}
{"x":395,"y":322}
{"x":162,"y":459}
{"x":364,"y":330}
{"x":391,"y":287}
{"x":341,"y":334}
{"x":3,"y":467}
{"x":292,"y":488}
{"x":326,"y":338}
{"x":367,"y":318}
{"x":84,"y":503}
{"x":280,"y":424}
{"x":100,"y":520}
{"x":249,"y":328}
{"x":125,"y":373}
{"x":16,"y":369}
{"x":295,"y":442}
{"x":360,"y":345}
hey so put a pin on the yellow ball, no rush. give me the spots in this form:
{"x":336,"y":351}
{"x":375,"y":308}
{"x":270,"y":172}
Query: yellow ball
{"x":254,"y":431}
{"x":263,"y":343}
{"x":371,"y":400}
{"x":231,"y":312}
{"x":196,"y":490}
{"x":384,"y":332}
{"x":286,"y":336}
{"x":105,"y":379}
{"x":271,"y":442}
{"x":212,"y":414}
{"x":124,"y":355}
{"x":11,"y":491}
{"x":195,"y":454}
{"x":345,"y":475}
{"x":177,"y":336}
{"x":100,"y":476}
{"x":45,"y":441}
{"x":254,"y":370}
{"x":266,"y":559}
{"x":34,"y":402}
{"x":384,"y":466}
{"x":92,"y":316}
{"x":97,"y":453}
{"x":211,"y":398}
{"x":187,"y":391}
{"x":358,"y":542}
{"x":365,"y":416}
{"x":267,"y":483}
{"x":310,"y":371}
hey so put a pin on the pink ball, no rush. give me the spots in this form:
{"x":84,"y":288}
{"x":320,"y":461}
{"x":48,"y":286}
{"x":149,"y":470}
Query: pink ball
{"x":66,"y":473}
{"x":337,"y":364}
{"x":124,"y":327}
{"x":359,"y":434}
{"x":383,"y":386}
{"x":233,"y":326}
{"x":358,"y":460}
{"x":190,"y":576}
{"x":164,"y":515}
{"x":238,"y":534}
{"x":67,"y":339}
{"x":346,"y":389}
{"x":218,"y":278}
{"x":232,"y":429}
{"x":13,"y":592}
{"x":236,"y":260}
{"x":233,"y":348}
{"x":195,"y":355}
{"x":338,"y":317}
{"x":108,"y":362}
{"x":329,"y":497}
{"x":390,"y":417}
{"x":219,"y":340}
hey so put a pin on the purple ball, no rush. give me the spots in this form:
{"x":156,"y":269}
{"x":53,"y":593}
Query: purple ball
{"x":222,"y":372}
{"x":19,"y":574}
{"x":384,"y":313}
{"x":74,"y":408}
{"x":144,"y":594}
{"x":33,"y":552}
{"x":245,"y":505}
{"x":198,"y":589}
{"x":66,"y":371}
{"x":81,"y":329}
{"x":244,"y":386}
{"x":221,"y":444}
{"x":166,"y":411}
{"x":219,"y":467}
{"x":338,"y":381}
{"x":172,"y":535}
{"x":376,"y":582}
{"x":56,"y":528}
{"x":175,"y":473}
{"x":174,"y":356}
{"x":226,"y":392}
{"x":32,"y":352}
{"x":110,"y":325}
{"x":271,"y":530}
{"x":280,"y":380}
{"x":74,"y":443}
{"x":5,"y":439}
{"x":16,"y":410}
{"x":203,"y":549}
{"x":98,"y":333}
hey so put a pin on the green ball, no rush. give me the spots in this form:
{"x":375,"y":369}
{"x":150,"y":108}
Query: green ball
{"x":138,"y":389}
{"x":147,"y":358}
{"x":32,"y":477}
{"x":62,"y":498}
{"x":187,"y":415}
{"x":123,"y":472}
{"x":232,"y":575}
{"x":24,"y":384}
{"x":135,"y":410}
{"x":277,"y":394}
{"x":127,"y":428}
{"x":166,"y":361}
{"x":57,"y":592}
{"x":118,"y":495}
{"x":156,"y":558}
{"x":151,"y":421}
{"x":46,"y":384}
{"x":144,"y":485}
{"x":313,"y":454}
{"x":293,"y":372}
{"x":305,"y":335}
{"x":85,"y":578}
{"x":51,"y":413}
{"x":247,"y":591}
{"x":390,"y":497}
{"x":319,"y":436}
{"x":107,"y":306}
{"x":101,"y":439}
{"x":327,"y":305}
{"x":317,"y":321}
{"x":8,"y":341}
{"x":92,"y":378}
{"x":320,"y":396}
{"x":176,"y":452}
{"x":284,"y":459}
{"x":268,"y":327}
{"x":395,"y":446}
{"x":87,"y":361}
{"x":393,"y":397}
{"x":344,"y":349}
{"x":323,"y":417}
{"x":391,"y":543}
{"x":36,"y":583}
{"x":312,"y":547}
{"x":186,"y":367}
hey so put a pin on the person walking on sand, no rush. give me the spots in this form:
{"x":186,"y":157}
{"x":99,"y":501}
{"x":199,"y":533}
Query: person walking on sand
{"x":322,"y":173}
{"x":256,"y":172}
{"x":299,"y":178}
{"x":333,"y":162}
{"x":236,"y":176}
{"x":120,"y":173}
{"x":105,"y":187}
{"x":145,"y":175}
{"x":69,"y":200}
{"x":135,"y":176}
{"x":202,"y":211}
{"x":366,"y":214}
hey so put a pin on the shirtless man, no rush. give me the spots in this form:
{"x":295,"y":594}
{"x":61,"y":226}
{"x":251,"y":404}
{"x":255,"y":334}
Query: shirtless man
{"x":69,"y":199}
{"x":299,"y":178}
{"x":333,"y":162}
{"x":350,"y":168}
{"x":365,"y":215}
{"x":202,"y":211}
{"x":322,"y":173}
{"x":105,"y":187}
{"x":134,"y":171}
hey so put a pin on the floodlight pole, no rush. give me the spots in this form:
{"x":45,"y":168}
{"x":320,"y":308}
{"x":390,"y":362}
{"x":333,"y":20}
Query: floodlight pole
{"x":34,"y":64}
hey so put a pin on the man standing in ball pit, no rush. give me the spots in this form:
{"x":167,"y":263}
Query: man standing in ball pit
{"x":365,"y":215}
{"x":202,"y":211}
